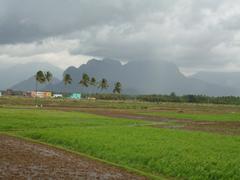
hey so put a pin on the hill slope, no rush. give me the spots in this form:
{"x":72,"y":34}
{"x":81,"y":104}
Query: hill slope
{"x":30,"y":84}
{"x":142,"y":77}
{"x":229,"y":79}
{"x":13,"y":75}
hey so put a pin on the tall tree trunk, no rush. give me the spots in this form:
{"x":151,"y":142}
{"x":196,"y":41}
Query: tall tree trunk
{"x":36,"y":88}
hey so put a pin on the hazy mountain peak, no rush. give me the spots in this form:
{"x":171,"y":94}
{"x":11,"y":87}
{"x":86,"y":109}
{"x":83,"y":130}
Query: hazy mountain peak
{"x":93,"y":61}
{"x":142,"y":77}
{"x":21,"y":72}
{"x":112,"y":61}
{"x":230,"y":79}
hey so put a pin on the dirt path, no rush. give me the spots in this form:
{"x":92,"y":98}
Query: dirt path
{"x":20,"y":159}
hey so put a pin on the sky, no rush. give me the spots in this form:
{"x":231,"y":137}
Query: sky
{"x":196,"y":35}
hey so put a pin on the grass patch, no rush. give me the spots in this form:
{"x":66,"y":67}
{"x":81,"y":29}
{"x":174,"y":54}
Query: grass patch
{"x":196,"y":116}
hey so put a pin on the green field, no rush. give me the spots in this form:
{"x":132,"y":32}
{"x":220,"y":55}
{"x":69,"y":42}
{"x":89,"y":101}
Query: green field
{"x":131,"y":143}
{"x":234,"y":117}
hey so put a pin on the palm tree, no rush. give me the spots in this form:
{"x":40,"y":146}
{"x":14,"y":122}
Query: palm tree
{"x":40,"y":78}
{"x":103,"y":84}
{"x":117,"y":88}
{"x":67,"y":79}
{"x":85,"y":81}
{"x":93,"y":82}
{"x":48,"y":76}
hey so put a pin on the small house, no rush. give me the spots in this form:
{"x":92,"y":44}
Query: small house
{"x":57,"y":95}
{"x":91,"y":98}
{"x":9,"y":92}
{"x":27,"y":94}
{"x":41,"y":94}
{"x":76,"y":96}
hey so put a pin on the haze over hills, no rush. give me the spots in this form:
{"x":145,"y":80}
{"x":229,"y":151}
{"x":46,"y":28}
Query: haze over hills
{"x":142,"y":77}
{"x":30,"y":85}
{"x":11,"y":76}
{"x":228,"y":79}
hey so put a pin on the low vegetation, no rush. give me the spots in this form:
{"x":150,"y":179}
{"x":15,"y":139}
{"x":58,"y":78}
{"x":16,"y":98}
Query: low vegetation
{"x":131,"y":143}
{"x":196,"y":116}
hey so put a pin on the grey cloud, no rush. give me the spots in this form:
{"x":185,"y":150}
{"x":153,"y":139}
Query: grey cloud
{"x":28,"y":20}
{"x":187,"y":32}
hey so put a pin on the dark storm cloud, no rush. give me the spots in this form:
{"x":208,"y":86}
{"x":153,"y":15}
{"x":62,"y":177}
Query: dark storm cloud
{"x":28,"y":20}
{"x":191,"y":33}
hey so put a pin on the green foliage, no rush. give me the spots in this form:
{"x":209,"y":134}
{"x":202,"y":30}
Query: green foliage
{"x":103,"y":84}
{"x":196,"y":117}
{"x":93,"y":81}
{"x":190,"y":99}
{"x":85,"y":80}
{"x":48,"y":76}
{"x":176,"y":153}
{"x":40,"y":77}
{"x":67,"y":79}
{"x":117,"y":88}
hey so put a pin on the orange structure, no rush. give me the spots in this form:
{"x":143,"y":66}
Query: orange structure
{"x":41,"y":94}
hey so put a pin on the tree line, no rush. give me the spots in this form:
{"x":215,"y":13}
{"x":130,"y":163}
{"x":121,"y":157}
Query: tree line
{"x":86,"y":81}
{"x":158,"y":98}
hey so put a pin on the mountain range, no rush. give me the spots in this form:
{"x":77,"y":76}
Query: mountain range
{"x":11,"y":76}
{"x":139,"y":77}
{"x":142,"y":77}
{"x":30,"y":84}
{"x":227,"y":79}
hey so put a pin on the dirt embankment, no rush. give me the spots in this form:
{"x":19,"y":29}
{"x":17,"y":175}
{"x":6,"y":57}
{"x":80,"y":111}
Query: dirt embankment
{"x":20,"y":159}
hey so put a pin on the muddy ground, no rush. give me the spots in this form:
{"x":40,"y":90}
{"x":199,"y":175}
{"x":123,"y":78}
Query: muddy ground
{"x":20,"y":159}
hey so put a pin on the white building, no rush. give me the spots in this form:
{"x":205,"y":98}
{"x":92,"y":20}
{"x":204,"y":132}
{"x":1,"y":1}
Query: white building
{"x":57,"y":95}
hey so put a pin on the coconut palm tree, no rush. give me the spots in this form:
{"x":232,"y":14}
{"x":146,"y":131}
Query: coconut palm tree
{"x":48,"y":76}
{"x":103,"y":84}
{"x":67,"y":79}
{"x":93,"y":82}
{"x":85,"y":81}
{"x":40,"y":78}
{"x":117,"y":88}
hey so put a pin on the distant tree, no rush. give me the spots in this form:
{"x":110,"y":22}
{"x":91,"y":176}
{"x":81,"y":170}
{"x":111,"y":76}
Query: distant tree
{"x":117,"y":88}
{"x":67,"y":79}
{"x":40,"y":78}
{"x":173,"y":94}
{"x":103,"y":84}
{"x":48,"y":77}
{"x":85,"y":80}
{"x":93,"y":81}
